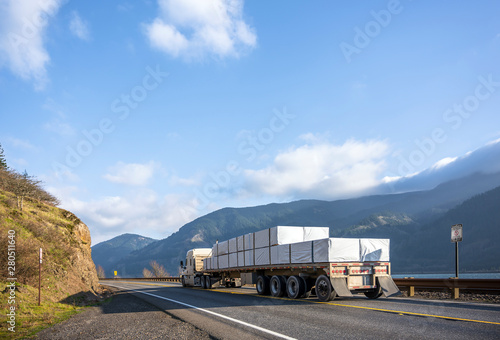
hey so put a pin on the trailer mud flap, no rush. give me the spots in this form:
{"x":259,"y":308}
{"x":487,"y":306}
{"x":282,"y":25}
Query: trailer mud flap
{"x":389,"y":288}
{"x":340,"y":287}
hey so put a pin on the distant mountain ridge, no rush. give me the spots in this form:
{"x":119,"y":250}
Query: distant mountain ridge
{"x":107,"y":253}
{"x":396,"y":216}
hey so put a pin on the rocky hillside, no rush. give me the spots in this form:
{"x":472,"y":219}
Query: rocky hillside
{"x":67,"y":268}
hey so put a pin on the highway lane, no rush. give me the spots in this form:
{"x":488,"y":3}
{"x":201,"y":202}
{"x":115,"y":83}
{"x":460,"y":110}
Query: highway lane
{"x":252,"y":316}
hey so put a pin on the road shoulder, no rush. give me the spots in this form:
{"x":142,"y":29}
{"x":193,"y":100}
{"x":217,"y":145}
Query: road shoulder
{"x":124,"y":316}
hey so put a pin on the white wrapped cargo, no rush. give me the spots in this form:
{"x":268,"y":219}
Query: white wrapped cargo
{"x":249,"y":257}
{"x":209,"y":263}
{"x":301,"y":252}
{"x":286,"y":235}
{"x":280,"y":254}
{"x":374,"y":249}
{"x":233,"y":245}
{"x":240,"y":243}
{"x":274,"y":255}
{"x":241,"y":258}
{"x":223,"y":261}
{"x":248,"y":239}
{"x":261,"y":239}
{"x":315,"y":233}
{"x":215,"y":262}
{"x":223,"y":248}
{"x":233,"y":260}
{"x":262,"y":256}
{"x":336,"y":250}
{"x":214,"y":249}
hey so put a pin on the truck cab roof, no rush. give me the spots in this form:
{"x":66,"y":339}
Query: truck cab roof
{"x":200,"y":251}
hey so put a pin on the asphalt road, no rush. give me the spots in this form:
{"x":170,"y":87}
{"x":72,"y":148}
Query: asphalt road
{"x":239,"y":313}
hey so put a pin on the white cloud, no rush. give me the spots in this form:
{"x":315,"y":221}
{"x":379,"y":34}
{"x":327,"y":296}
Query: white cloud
{"x":322,"y":170}
{"x":194,"y":28}
{"x":20,"y":143}
{"x":443,"y":162}
{"x":79,"y":27}
{"x":22,"y":37}
{"x":131,"y":174}
{"x":141,"y":211}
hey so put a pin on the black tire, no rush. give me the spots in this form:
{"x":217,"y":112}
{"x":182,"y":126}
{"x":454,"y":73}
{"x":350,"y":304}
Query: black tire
{"x":295,"y":287}
{"x":262,"y":285}
{"x":324,"y":289}
{"x":376,"y":293}
{"x":309,"y":283}
{"x":204,"y":282}
{"x":278,"y":285}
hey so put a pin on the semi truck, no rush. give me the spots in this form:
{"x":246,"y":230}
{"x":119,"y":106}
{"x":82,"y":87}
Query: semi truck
{"x":296,"y":262}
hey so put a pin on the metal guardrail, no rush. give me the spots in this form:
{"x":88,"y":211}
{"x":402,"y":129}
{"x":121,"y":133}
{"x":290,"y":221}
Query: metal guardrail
{"x":453,"y":286}
{"x":164,"y":279}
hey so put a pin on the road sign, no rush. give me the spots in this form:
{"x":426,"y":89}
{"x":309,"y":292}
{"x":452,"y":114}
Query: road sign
{"x":456,"y":233}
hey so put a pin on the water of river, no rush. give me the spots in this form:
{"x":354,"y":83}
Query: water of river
{"x":446,"y":276}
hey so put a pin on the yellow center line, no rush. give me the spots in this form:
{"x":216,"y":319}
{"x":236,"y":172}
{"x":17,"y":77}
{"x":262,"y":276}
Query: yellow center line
{"x":342,"y":305}
{"x":369,"y":308}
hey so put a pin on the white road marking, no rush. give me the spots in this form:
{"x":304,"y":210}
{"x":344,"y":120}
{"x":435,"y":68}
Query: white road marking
{"x":279,"y":335}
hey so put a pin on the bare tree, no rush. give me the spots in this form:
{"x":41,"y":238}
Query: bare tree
{"x":100,"y":272}
{"x":147,"y":273}
{"x":24,"y":185}
{"x":158,"y":270}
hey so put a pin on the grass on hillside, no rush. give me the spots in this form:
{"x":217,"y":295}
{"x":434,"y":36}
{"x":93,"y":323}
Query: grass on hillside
{"x":31,"y":318}
{"x":39,"y":226}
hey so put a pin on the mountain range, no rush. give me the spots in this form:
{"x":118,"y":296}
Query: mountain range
{"x":418,"y":224}
{"x":106,"y":254}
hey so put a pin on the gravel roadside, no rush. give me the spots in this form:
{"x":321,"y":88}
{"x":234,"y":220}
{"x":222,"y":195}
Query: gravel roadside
{"x":124,"y":317}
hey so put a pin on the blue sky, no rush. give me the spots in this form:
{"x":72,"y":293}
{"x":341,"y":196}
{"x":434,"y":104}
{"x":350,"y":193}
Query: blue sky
{"x":141,"y":116}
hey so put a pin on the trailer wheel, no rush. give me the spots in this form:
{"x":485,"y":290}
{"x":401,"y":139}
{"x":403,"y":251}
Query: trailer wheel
{"x":204,"y":281}
{"x":376,"y":293}
{"x":209,"y":282}
{"x":278,"y":285}
{"x":262,"y":285}
{"x":324,"y":289}
{"x":309,"y":283}
{"x":295,"y":287}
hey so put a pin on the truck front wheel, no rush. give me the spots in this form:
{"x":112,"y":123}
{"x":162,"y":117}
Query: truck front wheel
{"x":262,"y":285}
{"x":324,"y":289}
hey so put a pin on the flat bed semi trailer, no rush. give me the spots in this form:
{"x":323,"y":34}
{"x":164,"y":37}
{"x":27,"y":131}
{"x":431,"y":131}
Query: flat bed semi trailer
{"x":347,"y":275}
{"x":325,"y":280}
